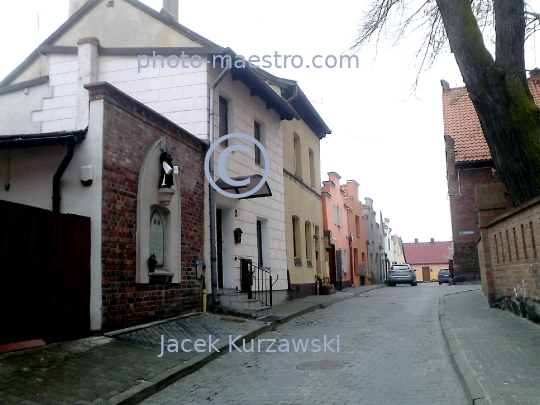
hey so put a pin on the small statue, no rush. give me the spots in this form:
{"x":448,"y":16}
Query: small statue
{"x":152,"y":263}
{"x":166,"y":179}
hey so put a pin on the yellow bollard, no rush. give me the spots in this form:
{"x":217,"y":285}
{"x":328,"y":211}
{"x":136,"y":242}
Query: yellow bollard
{"x":204,"y":300}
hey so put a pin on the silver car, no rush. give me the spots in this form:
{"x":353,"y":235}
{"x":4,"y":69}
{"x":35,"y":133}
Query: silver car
{"x":401,"y":274}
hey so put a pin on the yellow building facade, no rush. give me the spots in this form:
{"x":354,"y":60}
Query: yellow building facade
{"x":303,"y":205}
{"x":302,"y":187}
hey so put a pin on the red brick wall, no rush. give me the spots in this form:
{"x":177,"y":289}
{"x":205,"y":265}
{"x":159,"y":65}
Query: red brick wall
{"x":513,"y":246}
{"x":462,"y":181}
{"x":130,"y":129}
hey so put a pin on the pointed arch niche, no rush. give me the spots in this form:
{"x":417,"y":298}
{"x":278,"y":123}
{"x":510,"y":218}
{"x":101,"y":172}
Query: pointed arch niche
{"x":165,"y":234}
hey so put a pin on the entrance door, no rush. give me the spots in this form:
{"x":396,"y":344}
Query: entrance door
{"x":219,"y":237}
{"x":332,"y":264}
{"x":425,"y":274}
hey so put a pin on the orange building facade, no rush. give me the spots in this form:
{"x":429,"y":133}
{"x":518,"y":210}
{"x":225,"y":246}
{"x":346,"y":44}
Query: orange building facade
{"x":345,"y":248}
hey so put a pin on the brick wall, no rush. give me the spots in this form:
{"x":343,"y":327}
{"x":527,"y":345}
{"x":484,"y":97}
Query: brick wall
{"x":510,"y":251}
{"x":130,"y":129}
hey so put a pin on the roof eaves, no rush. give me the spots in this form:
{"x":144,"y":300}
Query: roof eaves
{"x":23,"y":85}
{"x":41,"y":139}
{"x":260,"y":88}
{"x":308,"y":113}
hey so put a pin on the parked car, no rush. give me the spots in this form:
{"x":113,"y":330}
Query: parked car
{"x":401,"y":274}
{"x":444,"y":276}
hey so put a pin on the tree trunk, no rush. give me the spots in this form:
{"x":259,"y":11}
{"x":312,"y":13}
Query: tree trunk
{"x":499,"y":91}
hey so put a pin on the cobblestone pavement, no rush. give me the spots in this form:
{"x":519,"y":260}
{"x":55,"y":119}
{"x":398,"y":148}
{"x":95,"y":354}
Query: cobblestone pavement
{"x":94,"y":370}
{"x":502,"y":349}
{"x":392,"y":352}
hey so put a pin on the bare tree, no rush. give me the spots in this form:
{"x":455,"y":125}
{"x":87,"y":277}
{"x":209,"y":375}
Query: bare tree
{"x":497,"y":84}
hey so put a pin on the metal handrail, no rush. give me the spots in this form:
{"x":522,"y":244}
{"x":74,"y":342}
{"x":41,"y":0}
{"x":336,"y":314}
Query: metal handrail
{"x":261,"y":279}
{"x":265,"y":269}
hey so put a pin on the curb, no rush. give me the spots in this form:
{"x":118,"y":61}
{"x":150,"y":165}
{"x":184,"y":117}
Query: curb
{"x":476,"y":395}
{"x":145,"y":389}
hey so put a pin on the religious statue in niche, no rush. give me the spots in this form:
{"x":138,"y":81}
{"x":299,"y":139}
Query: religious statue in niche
{"x":166,"y":179}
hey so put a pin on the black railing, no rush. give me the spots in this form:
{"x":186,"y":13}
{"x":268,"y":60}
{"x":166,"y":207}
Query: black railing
{"x":256,"y":281}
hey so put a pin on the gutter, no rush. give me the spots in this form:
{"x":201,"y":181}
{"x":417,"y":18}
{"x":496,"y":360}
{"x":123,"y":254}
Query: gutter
{"x":211,"y":194}
{"x":60,"y":172}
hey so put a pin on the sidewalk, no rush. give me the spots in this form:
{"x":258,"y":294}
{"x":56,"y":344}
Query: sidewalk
{"x":495,"y":353}
{"x":124,"y":368}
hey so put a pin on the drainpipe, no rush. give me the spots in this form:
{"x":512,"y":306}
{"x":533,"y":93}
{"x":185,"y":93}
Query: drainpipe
{"x":60,"y":172}
{"x":212,"y":197}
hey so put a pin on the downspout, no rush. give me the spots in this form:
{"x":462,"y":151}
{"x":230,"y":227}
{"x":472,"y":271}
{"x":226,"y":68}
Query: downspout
{"x":60,"y":172}
{"x":212,"y":197}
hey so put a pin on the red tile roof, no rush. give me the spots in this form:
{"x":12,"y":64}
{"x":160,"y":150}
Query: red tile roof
{"x":427,"y":252}
{"x":462,"y":124}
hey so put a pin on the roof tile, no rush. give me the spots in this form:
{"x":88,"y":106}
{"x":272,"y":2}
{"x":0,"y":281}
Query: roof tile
{"x":427,"y":252}
{"x":462,"y":124}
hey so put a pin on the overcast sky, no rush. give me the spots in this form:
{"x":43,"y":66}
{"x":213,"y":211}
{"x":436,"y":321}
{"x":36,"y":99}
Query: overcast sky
{"x":386,"y":136}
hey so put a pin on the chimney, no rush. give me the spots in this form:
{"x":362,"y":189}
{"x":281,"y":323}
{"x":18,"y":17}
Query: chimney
{"x":415,"y":240}
{"x":170,"y":8}
{"x":445,"y":86}
{"x":432,"y":240}
{"x":534,"y":72}
{"x":75,"y":5}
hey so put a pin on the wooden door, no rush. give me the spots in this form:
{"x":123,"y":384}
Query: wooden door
{"x":426,"y":273}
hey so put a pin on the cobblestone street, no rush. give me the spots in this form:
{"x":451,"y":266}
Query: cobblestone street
{"x":391,"y":352}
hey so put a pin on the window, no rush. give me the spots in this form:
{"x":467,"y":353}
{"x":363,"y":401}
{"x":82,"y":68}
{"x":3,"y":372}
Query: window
{"x":312,"y":168}
{"x":223,"y":118}
{"x":296,"y":236}
{"x":317,"y":246}
{"x":297,"y":152}
{"x":157,"y":238}
{"x":357,"y":224}
{"x":338,"y":216}
{"x":257,"y":135}
{"x":309,"y":242}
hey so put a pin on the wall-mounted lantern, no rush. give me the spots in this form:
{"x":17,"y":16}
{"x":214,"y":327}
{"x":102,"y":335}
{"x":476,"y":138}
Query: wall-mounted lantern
{"x":237,"y":235}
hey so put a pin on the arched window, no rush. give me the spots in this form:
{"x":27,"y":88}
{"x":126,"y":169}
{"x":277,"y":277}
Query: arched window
{"x":296,"y":237}
{"x":297,"y":151}
{"x":157,"y":238}
{"x":311,"y":168}
{"x":309,"y":243}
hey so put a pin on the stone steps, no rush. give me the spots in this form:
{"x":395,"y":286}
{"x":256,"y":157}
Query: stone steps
{"x":239,"y":302}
